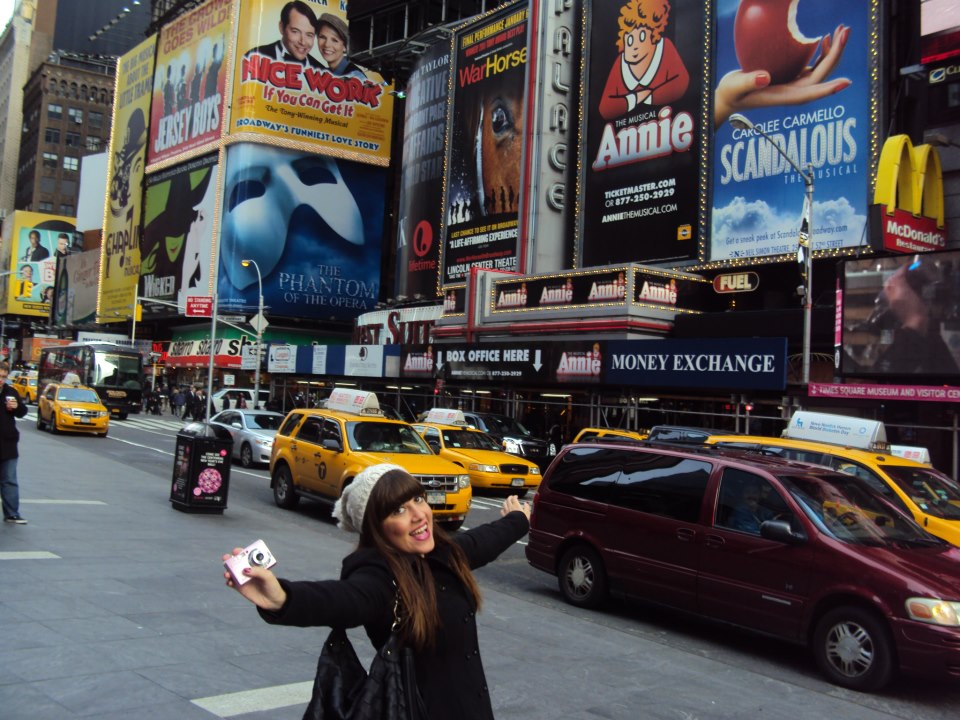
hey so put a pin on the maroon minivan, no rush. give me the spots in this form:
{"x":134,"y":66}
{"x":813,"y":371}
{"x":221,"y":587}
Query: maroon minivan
{"x":784,"y":548}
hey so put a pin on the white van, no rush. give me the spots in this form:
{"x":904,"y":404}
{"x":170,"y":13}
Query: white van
{"x":235,"y":393}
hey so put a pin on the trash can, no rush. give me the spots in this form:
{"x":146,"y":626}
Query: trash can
{"x":201,"y":469}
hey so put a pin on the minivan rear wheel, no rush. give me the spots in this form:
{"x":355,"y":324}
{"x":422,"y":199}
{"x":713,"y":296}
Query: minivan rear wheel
{"x":853,"y":649}
{"x":583,"y":581}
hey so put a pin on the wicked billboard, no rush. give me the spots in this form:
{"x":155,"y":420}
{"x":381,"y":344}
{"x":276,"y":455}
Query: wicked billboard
{"x":644,"y":126}
{"x":485,"y":143}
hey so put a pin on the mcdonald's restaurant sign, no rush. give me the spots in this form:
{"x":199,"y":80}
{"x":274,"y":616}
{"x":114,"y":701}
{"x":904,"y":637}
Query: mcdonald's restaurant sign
{"x":907,"y":214}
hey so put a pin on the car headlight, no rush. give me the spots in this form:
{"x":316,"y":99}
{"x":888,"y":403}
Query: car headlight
{"x":67,"y":411}
{"x":934,"y":611}
{"x":264,"y":442}
{"x":477,"y":467}
{"x":512,"y":446}
{"x":103,"y":413}
{"x":534,"y":470}
{"x":463,"y":481}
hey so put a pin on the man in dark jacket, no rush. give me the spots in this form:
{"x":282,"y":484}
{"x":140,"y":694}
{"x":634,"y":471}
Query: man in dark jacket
{"x":12,"y":407}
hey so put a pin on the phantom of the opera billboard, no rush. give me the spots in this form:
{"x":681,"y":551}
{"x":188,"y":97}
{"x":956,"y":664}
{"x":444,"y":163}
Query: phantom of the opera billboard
{"x":645,"y":120}
{"x":485,"y":143}
{"x":36,"y":241}
{"x":120,"y":252}
{"x":294,"y":82}
{"x":802,"y":79}
{"x":421,"y":183}
{"x":901,"y":316}
{"x":313,"y":225}
{"x":177,"y":243}
{"x":189,"y":80}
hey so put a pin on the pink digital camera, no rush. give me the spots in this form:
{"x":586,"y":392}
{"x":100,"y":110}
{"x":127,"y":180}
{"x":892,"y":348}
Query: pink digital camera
{"x":254,"y":555}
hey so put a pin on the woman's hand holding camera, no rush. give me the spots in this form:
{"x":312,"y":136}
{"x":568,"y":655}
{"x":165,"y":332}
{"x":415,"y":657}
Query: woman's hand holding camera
{"x":262,"y":588}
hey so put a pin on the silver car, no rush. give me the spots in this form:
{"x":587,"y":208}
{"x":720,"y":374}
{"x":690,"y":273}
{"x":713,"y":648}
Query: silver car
{"x":252,"y":432}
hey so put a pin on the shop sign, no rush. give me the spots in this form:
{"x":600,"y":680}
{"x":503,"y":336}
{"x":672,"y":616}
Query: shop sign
{"x":736,"y":282}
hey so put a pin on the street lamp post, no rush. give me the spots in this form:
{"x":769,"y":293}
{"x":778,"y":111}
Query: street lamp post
{"x":805,"y":241}
{"x":256,"y":382}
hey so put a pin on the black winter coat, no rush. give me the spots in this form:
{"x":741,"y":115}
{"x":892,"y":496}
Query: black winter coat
{"x":450,"y":676}
{"x":9,"y":435}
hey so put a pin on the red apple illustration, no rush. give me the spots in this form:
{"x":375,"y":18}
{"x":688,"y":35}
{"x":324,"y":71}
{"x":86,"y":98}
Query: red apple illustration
{"x":766,"y":37}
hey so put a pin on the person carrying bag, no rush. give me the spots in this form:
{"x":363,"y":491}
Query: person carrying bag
{"x":411,"y":587}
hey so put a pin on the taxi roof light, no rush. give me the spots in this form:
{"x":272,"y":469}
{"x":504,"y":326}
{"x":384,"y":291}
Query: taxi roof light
{"x":841,"y":430}
{"x":358,"y":402}
{"x":446,"y":416}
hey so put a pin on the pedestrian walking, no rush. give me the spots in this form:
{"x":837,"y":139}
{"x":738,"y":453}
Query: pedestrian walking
{"x":177,"y":402}
{"x":12,"y":408}
{"x":402,"y":558}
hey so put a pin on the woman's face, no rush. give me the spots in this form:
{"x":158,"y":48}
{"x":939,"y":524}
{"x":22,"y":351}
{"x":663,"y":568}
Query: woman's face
{"x":331,"y":45}
{"x":409,"y":528}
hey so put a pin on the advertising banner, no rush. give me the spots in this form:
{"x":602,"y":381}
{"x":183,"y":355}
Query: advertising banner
{"x":803,"y":79}
{"x":421,"y":184}
{"x":177,"y":246}
{"x":294,"y":80}
{"x":901,"y":315}
{"x":864,"y":391}
{"x":120,"y":252}
{"x":282,"y":358}
{"x":35,"y":244}
{"x":644,"y":117}
{"x":189,"y":81}
{"x":485,"y":145}
{"x":313,"y":226}
{"x":75,"y":296}
{"x":561,"y":292}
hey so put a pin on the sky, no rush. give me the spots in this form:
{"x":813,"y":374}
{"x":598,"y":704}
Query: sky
{"x":6,"y":10}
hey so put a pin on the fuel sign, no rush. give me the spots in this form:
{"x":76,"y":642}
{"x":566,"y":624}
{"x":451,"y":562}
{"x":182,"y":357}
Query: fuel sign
{"x":736,"y":282}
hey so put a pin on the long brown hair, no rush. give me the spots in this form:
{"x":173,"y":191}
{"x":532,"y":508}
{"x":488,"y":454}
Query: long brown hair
{"x":418,"y":597}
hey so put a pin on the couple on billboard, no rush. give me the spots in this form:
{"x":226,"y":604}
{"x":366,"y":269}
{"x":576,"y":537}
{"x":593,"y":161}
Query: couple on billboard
{"x":300,"y":30}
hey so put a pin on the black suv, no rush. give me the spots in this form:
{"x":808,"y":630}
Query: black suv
{"x":514,"y":437}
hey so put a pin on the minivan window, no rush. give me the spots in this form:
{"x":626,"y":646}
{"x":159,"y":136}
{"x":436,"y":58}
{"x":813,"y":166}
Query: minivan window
{"x":587,"y":473}
{"x":848,"y":510}
{"x":664,"y":485}
{"x":747,"y":500}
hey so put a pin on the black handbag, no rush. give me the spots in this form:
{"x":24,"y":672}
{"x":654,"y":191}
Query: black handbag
{"x":344,"y":690}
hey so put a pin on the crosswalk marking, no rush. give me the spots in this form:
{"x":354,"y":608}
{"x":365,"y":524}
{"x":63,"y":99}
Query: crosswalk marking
{"x":40,"y":501}
{"x":29,"y":555}
{"x":250,"y":701}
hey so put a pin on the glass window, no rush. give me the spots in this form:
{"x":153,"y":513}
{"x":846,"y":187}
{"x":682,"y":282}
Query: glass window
{"x":75,"y":115}
{"x":70,"y":163}
{"x":94,"y":143}
{"x":67,"y":209}
{"x":54,"y":111}
{"x":746,"y":500}
{"x":50,"y":160}
{"x":587,"y":473}
{"x":289,"y":424}
{"x":665,"y":485}
{"x":310,"y":430}
{"x":44,"y":206}
{"x":264,"y":421}
{"x":95,"y":119}
{"x":934,"y":493}
{"x":51,"y":135}
{"x":74,"y":139}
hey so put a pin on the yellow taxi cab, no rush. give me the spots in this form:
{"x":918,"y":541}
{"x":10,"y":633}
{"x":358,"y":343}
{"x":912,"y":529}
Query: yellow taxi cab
{"x":593,"y":434}
{"x":72,"y":407}
{"x":26,"y":385}
{"x":449,"y":436}
{"x":317,"y":452}
{"x":859,"y":447}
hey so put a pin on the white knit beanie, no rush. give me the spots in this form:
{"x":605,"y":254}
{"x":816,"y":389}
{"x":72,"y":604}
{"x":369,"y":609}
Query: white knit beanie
{"x":352,"y":505}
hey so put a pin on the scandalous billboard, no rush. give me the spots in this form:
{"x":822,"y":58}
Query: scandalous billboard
{"x":800,"y":72}
{"x":312,"y":224}
{"x":901,"y":316}
{"x":643,"y":131}
{"x":485,"y":145}
{"x":120,"y":252}
{"x":421,"y":183}
{"x":189,"y":81}
{"x":177,"y":244}
{"x":75,"y":297}
{"x":294,"y":81}
{"x":37,"y":240}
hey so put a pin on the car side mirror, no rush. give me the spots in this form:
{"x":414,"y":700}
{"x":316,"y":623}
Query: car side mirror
{"x":434,"y":445}
{"x":237,"y":425}
{"x":780,"y":531}
{"x":331,"y":444}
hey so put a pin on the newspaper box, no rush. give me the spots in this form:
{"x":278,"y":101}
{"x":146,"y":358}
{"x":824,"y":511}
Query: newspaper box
{"x":201,"y":468}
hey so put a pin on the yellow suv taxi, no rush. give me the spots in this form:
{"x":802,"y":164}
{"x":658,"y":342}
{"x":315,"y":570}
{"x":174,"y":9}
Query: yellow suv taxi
{"x":26,"y":385}
{"x":317,"y":453}
{"x":72,"y":408}
{"x":449,"y":436}
{"x":859,"y":447}
{"x":592,"y":434}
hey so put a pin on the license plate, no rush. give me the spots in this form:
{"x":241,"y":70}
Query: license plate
{"x":517,"y":482}
{"x":85,"y":420}
{"x":436,"y":498}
